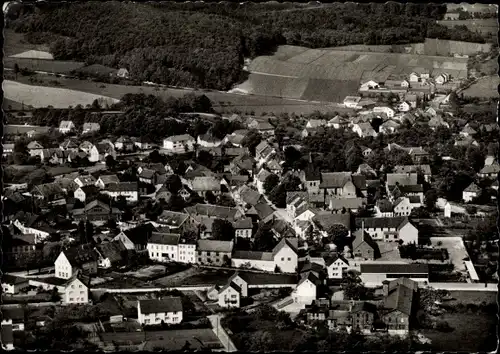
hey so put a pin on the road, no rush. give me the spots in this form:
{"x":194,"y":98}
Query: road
{"x":221,"y":333}
{"x":464,"y":286}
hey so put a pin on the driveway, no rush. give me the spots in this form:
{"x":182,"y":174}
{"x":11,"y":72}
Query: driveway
{"x":456,"y":250}
{"x":221,"y":333}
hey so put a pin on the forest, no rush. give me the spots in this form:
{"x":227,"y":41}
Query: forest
{"x":204,"y":45}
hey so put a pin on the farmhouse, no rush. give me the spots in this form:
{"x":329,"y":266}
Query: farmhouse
{"x":66,"y":126}
{"x":69,"y":261}
{"x":214,"y":252}
{"x":12,"y":284}
{"x":284,"y":257}
{"x":471,"y":192}
{"x":128,"y":190}
{"x":163,"y":247}
{"x":352,"y":101}
{"x":343,"y":184}
{"x":229,"y":295}
{"x":389,"y":229}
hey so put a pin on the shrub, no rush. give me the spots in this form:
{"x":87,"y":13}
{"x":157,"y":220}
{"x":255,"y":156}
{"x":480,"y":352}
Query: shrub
{"x":443,"y":326}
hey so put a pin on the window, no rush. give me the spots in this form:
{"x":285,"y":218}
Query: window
{"x":289,"y":259}
{"x":80,"y":286}
{"x":70,"y":299}
{"x":282,"y":258}
{"x":81,"y":292}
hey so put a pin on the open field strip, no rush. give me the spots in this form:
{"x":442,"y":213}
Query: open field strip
{"x":41,"y":96}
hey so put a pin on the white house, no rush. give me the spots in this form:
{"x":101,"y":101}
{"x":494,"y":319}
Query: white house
{"x":229,"y":296}
{"x":163,"y":247}
{"x":75,"y":292}
{"x":66,"y":126}
{"x":179,"y":144}
{"x":157,"y":311}
{"x":352,"y":101}
{"x":336,"y":267}
{"x":369,"y":85}
{"x":129,"y":190}
{"x":364,"y":130}
{"x":123,"y":73}
{"x":442,"y":79}
{"x":260,"y":179}
{"x":90,"y":127}
{"x":306,"y":291}
{"x":243,"y":228}
{"x":69,"y":261}
{"x":105,"y":180}
{"x":284,"y":256}
{"x":389,"y":229}
{"x":12,"y":284}
{"x":471,"y":192}
{"x":388,"y":111}
{"x":404,"y":106}
{"x":404,"y":205}
{"x":187,"y":252}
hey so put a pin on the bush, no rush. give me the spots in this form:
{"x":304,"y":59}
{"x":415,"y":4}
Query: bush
{"x":443,"y":326}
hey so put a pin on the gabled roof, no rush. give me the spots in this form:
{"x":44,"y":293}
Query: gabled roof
{"x":13,"y":279}
{"x":472,"y":188}
{"x":396,"y":222}
{"x":331,"y":260}
{"x":206,"y":183}
{"x":90,"y":190}
{"x":177,"y":138}
{"x":291,"y":242}
{"x":493,"y":168}
{"x":400,"y":299}
{"x":251,"y":196}
{"x":48,"y":189}
{"x":244,"y":223}
{"x":309,"y":276}
{"x":123,"y":187}
{"x":108,"y":179}
{"x":403,"y":179}
{"x":215,"y":246}
{"x":347,"y":203}
{"x":360,"y":237}
{"x":34,"y":145}
{"x":66,"y":124}
{"x":469,"y":130}
{"x":243,"y":162}
{"x":339,"y":179}
{"x":139,"y":235}
{"x":385,"y":206}
{"x":172,"y":218}
{"x":326,"y":220}
{"x":230,"y":285}
{"x":397,"y":268}
{"x":147,"y":173}
{"x":263,"y":210}
{"x":81,"y":254}
{"x":262,"y":175}
{"x":163,"y":305}
{"x":111,"y":250}
{"x":164,"y":238}
{"x":213,"y":211}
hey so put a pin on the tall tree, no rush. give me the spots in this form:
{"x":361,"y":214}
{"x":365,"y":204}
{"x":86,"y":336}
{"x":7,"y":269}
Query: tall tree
{"x":222,"y":230}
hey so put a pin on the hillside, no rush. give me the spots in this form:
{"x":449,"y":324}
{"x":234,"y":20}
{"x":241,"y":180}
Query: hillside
{"x":204,"y":45}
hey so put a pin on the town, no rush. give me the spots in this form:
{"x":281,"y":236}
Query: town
{"x":147,"y":224}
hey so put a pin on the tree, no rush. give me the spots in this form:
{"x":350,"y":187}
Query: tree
{"x":471,"y":209}
{"x":278,"y":194}
{"x":54,"y":296}
{"x":222,"y":230}
{"x":354,"y":158}
{"x":81,"y":231}
{"x":353,"y":286}
{"x":20,"y":152}
{"x":264,"y":238}
{"x":251,"y":140}
{"x":89,"y":232}
{"x":337,"y":234}
{"x":431,"y":197}
{"x":205,"y":158}
{"x":173,"y":184}
{"x":270,"y":183}
{"x":110,"y":162}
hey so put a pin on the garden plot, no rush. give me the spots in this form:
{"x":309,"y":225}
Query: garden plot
{"x":148,"y":272}
{"x":456,"y":250}
{"x":34,"y":54}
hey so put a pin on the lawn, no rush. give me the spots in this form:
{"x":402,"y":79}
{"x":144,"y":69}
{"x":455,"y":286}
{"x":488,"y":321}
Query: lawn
{"x":472,"y":332}
{"x":198,"y":277}
{"x":472,"y":297}
{"x":44,"y":65}
{"x":485,"y":87}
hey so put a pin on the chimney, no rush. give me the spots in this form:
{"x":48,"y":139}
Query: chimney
{"x":385,"y":287}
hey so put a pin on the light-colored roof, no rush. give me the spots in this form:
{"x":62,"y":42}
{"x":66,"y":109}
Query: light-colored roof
{"x":177,"y":138}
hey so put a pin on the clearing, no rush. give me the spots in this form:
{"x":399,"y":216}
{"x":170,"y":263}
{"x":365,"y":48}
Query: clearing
{"x":40,"y":96}
{"x":484,"y":87}
{"x":15,"y":44}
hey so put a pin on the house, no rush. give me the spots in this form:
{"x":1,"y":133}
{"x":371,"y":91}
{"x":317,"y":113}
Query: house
{"x":306,"y":291}
{"x":124,"y":143}
{"x":342,"y":205}
{"x":105,"y":180}
{"x":363,"y":246}
{"x":398,"y":305}
{"x":311,"y":177}
{"x":364,"y":130}
{"x":246,"y":195}
{"x":402,"y":179}
{"x":264,"y":212}
{"x":236,"y":137}
{"x":179,"y":144}
{"x":275,"y":166}
{"x":419,"y":155}
{"x":471,"y":192}
{"x":431,"y":111}
{"x":148,"y":176}
{"x":214,"y":252}
{"x":75,"y":292}
{"x":163,"y":247}
{"x":69,"y":261}
{"x":208,"y":140}
{"x":243,"y":228}
{"x":384,"y":208}
{"x":389,"y":127}
{"x":257,"y":280}
{"x":389,"y":229}
{"x":369,"y":85}
{"x":374,"y":274}
{"x":425,"y":170}
{"x":264,"y":128}
{"x":411,"y":98}
{"x":468,"y":131}
{"x":34,"y":225}
{"x":86,"y":193}
{"x":284,"y":257}
{"x":66,"y":126}
{"x":13,"y":316}
{"x":337,"y":122}
{"x":175,"y":221}
{"x":214,"y":211}
{"x":128,"y":190}
{"x":441,"y":79}
{"x":242,"y":164}
{"x":263,"y":151}
{"x":260,"y":179}
{"x":123,"y":73}
{"x":343,"y":184}
{"x":388,"y":111}
{"x":296,"y":202}
{"x":34,"y":148}
{"x":103,"y":150}
{"x":96,"y":212}
{"x":404,"y":205}
{"x":51,"y":193}
{"x":69,"y":145}
{"x":7,"y":338}
{"x":110,"y":254}
{"x":336,"y":266}
{"x":203,"y":185}
{"x":90,"y":128}
{"x":490,"y":171}
{"x":12,"y":284}
{"x":158,"y":311}
{"x":325,"y":220}
{"x":136,"y":238}
{"x":229,"y":296}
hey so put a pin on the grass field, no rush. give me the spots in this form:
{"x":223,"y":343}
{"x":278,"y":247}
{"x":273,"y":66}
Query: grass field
{"x":50,"y":66}
{"x":472,"y":297}
{"x":485,"y":87}
{"x":40,"y":96}
{"x":472,"y":332}
{"x":15,"y":44}
{"x":484,"y":26}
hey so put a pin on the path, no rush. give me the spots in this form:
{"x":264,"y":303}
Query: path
{"x":464,"y":286}
{"x":221,"y":333}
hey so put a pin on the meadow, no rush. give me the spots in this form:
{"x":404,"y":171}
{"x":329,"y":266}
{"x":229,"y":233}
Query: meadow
{"x":485,"y":87}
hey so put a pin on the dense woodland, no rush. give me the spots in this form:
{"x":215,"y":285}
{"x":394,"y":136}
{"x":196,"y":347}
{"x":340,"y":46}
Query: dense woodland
{"x":204,"y":45}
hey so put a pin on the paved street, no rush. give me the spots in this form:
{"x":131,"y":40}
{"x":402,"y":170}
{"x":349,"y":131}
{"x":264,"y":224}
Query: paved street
{"x":221,"y":333}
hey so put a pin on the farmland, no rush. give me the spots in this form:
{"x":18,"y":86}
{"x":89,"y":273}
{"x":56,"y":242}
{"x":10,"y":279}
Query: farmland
{"x":49,"y":66}
{"x":329,"y":75}
{"x":223,"y":102}
{"x":15,"y":44}
{"x":40,"y":96}
{"x":485,"y":87}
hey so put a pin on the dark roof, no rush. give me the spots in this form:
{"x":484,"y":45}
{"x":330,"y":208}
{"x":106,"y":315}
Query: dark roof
{"x":395,"y":268}
{"x":183,"y":137}
{"x":81,"y":254}
{"x":378,"y":223}
{"x":7,"y":336}
{"x":385,"y":206}
{"x":339,"y":179}
{"x":12,"y":279}
{"x":90,"y":190}
{"x":147,"y":173}
{"x":254,"y":255}
{"x":48,"y":189}
{"x":172,"y":218}
{"x":164,"y":238}
{"x":251,"y":196}
{"x":15,"y":314}
{"x":213,"y":210}
{"x":263,"y":210}
{"x":95,"y":203}
{"x":108,"y":179}
{"x":311,"y":173}
{"x":425,"y":169}
{"x":326,"y":220}
{"x":403,"y":179}
{"x":111,"y":250}
{"x":361,"y":237}
{"x":245,"y":223}
{"x":139,"y":235}
{"x":122,"y":187}
{"x":166,"y":304}
{"x":400,"y":299}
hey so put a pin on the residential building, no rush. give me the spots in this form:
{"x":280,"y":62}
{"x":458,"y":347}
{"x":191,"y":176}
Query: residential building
{"x":105,"y":180}
{"x":363,"y":246}
{"x":75,"y":292}
{"x":389,"y":229}
{"x":490,"y":171}
{"x":166,"y":310}
{"x":398,"y":305}
{"x":96,"y":212}
{"x":179,"y":144}
{"x":208,"y":140}
{"x":306,"y":291}
{"x":471,"y":192}
{"x":12,"y":284}
{"x":229,"y":296}
{"x":136,"y":238}
{"x":425,"y":170}
{"x":128,"y":190}
{"x":176,"y":222}
{"x":69,"y":261}
{"x":111,"y":254}
{"x":214,"y":252}
{"x":13,"y":316}
{"x":384,"y":208}
{"x":163,"y":247}
{"x":343,"y":184}
{"x":352,"y":101}
{"x":260,"y":179}
{"x":364,"y":129}
{"x":388,"y":111}
{"x":403,"y":206}
{"x":203,"y":185}
{"x":243,"y":228}
{"x":51,"y":193}
{"x":90,"y":128}
{"x":336,"y":266}
{"x":66,"y":126}
{"x":85,"y":193}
